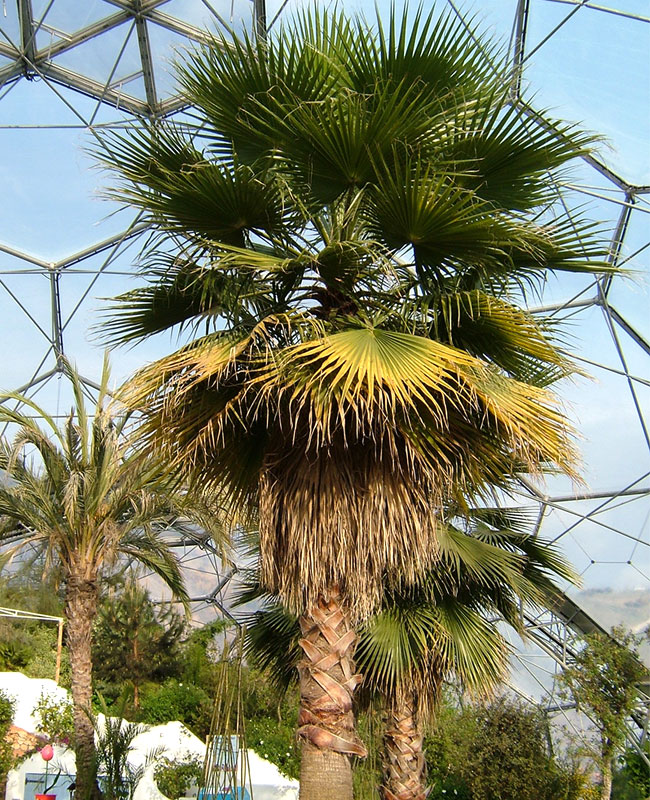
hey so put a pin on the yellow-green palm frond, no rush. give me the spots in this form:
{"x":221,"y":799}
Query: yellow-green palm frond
{"x":349,"y":442}
{"x":370,"y":380}
{"x":363,"y":382}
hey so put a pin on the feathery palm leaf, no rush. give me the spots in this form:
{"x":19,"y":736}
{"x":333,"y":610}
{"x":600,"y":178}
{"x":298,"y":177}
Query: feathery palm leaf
{"x":90,"y":499}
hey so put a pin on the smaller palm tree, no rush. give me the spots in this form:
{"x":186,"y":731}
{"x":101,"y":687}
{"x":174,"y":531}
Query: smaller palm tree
{"x":445,"y":625}
{"x":80,"y":494}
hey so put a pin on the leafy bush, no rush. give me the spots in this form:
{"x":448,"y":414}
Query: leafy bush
{"x":603,"y":682}
{"x":42,"y":660}
{"x":271,"y":720}
{"x":13,"y":656}
{"x":7,"y":707}
{"x":635,"y":769}
{"x":276,"y":742}
{"x":174,"y":777}
{"x":175,"y":700}
{"x":25,"y":645}
{"x":498,"y":751}
{"x":55,"y":718}
{"x":200,"y":653}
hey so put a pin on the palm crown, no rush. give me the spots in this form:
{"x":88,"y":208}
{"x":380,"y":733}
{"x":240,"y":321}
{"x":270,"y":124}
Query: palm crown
{"x":80,"y":494}
{"x":343,"y":230}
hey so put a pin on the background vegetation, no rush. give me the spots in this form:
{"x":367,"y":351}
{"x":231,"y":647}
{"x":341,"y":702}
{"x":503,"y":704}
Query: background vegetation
{"x":476,"y":752}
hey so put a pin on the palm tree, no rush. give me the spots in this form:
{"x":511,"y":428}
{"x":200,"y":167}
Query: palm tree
{"x":81,"y":495}
{"x":446,"y":626}
{"x":341,"y":235}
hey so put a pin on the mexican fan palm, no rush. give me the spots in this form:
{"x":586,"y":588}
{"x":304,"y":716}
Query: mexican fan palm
{"x":77,"y":493}
{"x":340,"y":231}
{"x":446,"y":626}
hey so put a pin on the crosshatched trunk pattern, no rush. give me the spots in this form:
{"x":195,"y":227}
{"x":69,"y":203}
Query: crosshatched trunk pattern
{"x":327,"y":684}
{"x":404,"y":761}
{"x":81,"y":609}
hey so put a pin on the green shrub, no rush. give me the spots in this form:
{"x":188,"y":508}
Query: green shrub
{"x":174,"y":700}
{"x":500,"y":751}
{"x":13,"y":656}
{"x":42,"y":659}
{"x":55,"y":718}
{"x":635,"y":770}
{"x":275,"y":741}
{"x":174,"y":777}
{"x":271,"y":720}
{"x":7,"y":707}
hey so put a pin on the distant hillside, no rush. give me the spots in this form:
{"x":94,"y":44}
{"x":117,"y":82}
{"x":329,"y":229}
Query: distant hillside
{"x":608,"y":607}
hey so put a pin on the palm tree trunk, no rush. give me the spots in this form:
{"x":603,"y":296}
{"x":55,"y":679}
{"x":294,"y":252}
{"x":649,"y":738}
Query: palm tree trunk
{"x":80,"y":611}
{"x":327,"y":684}
{"x":404,"y":762}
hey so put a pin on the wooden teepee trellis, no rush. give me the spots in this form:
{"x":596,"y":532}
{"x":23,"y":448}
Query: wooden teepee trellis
{"x":226,"y":770}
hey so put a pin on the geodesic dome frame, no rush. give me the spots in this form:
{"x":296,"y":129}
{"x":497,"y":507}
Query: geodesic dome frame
{"x":66,"y":71}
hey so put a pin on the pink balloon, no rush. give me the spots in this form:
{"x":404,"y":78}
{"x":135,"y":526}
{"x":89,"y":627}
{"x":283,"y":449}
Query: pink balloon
{"x":47,"y":753}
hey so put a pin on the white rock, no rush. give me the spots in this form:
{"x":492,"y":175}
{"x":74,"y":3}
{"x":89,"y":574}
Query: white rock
{"x":172,"y":740}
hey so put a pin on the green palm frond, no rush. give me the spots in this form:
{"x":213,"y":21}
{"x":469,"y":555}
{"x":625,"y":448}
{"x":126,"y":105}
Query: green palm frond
{"x":506,"y":156}
{"x":272,"y":636}
{"x":468,"y":557}
{"x":494,"y":330}
{"x":447,"y":227}
{"x":183,"y":191}
{"x":515,"y":519}
{"x":226,"y":77}
{"x":145,"y":547}
{"x":339,"y":140}
{"x":394,"y":641}
{"x":451,"y":231}
{"x":184,"y":293}
{"x":473,"y":649}
{"x":446,"y":55}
